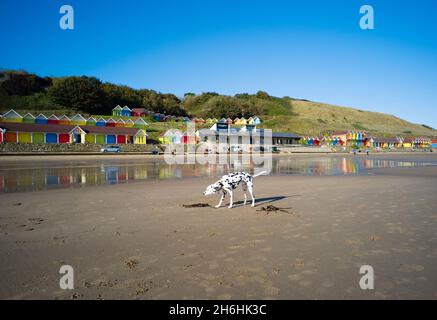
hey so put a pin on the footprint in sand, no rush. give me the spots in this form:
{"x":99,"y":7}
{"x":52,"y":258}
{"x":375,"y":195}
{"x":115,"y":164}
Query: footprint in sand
{"x":299,"y":263}
{"x":131,"y":263}
{"x":36,"y":220}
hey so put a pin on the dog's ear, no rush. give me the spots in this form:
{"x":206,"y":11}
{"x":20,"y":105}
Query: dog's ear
{"x":218,"y":186}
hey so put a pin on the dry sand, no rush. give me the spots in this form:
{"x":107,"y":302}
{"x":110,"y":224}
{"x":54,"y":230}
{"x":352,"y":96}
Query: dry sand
{"x":137,"y":241}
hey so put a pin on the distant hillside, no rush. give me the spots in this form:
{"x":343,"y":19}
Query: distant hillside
{"x":27,"y":92}
{"x":301,"y":116}
{"x":311,"y":118}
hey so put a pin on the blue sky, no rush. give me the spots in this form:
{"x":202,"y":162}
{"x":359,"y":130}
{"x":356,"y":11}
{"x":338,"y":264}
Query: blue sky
{"x":312,"y":49}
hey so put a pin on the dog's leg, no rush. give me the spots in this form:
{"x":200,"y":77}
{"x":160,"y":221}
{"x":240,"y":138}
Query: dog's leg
{"x":250,"y":188}
{"x":245,"y":195}
{"x":231,"y":201}
{"x":221,"y":199}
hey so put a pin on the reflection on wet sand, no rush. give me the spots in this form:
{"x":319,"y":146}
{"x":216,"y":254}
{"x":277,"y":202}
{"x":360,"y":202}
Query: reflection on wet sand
{"x":109,"y":172}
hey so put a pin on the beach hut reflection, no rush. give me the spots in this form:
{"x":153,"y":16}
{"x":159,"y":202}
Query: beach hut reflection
{"x":110,"y":172}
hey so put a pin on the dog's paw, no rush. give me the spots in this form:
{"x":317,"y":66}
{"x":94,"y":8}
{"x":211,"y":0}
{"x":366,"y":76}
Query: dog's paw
{"x":230,"y":207}
{"x":217,"y":207}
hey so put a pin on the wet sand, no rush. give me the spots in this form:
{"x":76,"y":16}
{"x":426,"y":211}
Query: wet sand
{"x":6,"y":159}
{"x":136,"y":241}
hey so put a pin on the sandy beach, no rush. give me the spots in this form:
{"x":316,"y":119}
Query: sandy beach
{"x":137,"y":241}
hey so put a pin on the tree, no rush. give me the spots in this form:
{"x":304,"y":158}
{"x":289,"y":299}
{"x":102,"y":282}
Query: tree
{"x":121,"y":95}
{"x":262,"y":95}
{"x":23,"y":83}
{"x":80,"y":94}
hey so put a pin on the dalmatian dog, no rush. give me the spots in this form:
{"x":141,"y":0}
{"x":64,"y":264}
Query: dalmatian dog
{"x":228,"y":183}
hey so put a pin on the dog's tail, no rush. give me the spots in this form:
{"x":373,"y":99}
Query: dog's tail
{"x":260,"y":174}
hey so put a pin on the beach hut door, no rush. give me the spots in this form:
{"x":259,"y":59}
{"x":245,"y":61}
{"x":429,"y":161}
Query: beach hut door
{"x":78,"y":135}
{"x":77,"y":138}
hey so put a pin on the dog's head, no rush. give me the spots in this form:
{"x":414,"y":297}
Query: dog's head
{"x":212,"y":188}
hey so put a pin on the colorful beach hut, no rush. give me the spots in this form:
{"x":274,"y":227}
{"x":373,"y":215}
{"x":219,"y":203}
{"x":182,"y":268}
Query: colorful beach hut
{"x":407,"y":142}
{"x":117,"y":111}
{"x":53,"y":119}
{"x":141,"y":137}
{"x":28,"y":118}
{"x":138,"y":112}
{"x":126,"y":111}
{"x":243,"y":121}
{"x":140,"y":123}
{"x":91,"y":121}
{"x":166,"y":137}
{"x":34,"y":133}
{"x":64,"y":120}
{"x":177,"y":137}
{"x":110,"y":122}
{"x":78,"y":120}
{"x":255,"y":121}
{"x":120,"y":123}
{"x":12,"y":116}
{"x":41,"y":119}
{"x":187,"y":138}
{"x":129,"y":123}
{"x":101,"y":122}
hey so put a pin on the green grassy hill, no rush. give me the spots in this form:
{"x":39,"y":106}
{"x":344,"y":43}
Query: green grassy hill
{"x":26,"y":92}
{"x":301,"y":116}
{"x":311,"y":118}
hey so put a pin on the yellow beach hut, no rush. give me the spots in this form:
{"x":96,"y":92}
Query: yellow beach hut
{"x":141,"y":137}
{"x":78,"y":120}
{"x":12,"y":116}
{"x":129,"y":123}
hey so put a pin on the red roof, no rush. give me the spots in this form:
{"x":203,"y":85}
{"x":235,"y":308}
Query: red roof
{"x":57,"y":128}
{"x":139,"y":110}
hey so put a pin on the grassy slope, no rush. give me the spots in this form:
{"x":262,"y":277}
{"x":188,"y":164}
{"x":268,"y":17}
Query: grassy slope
{"x":311,"y":118}
{"x":302,"y":117}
